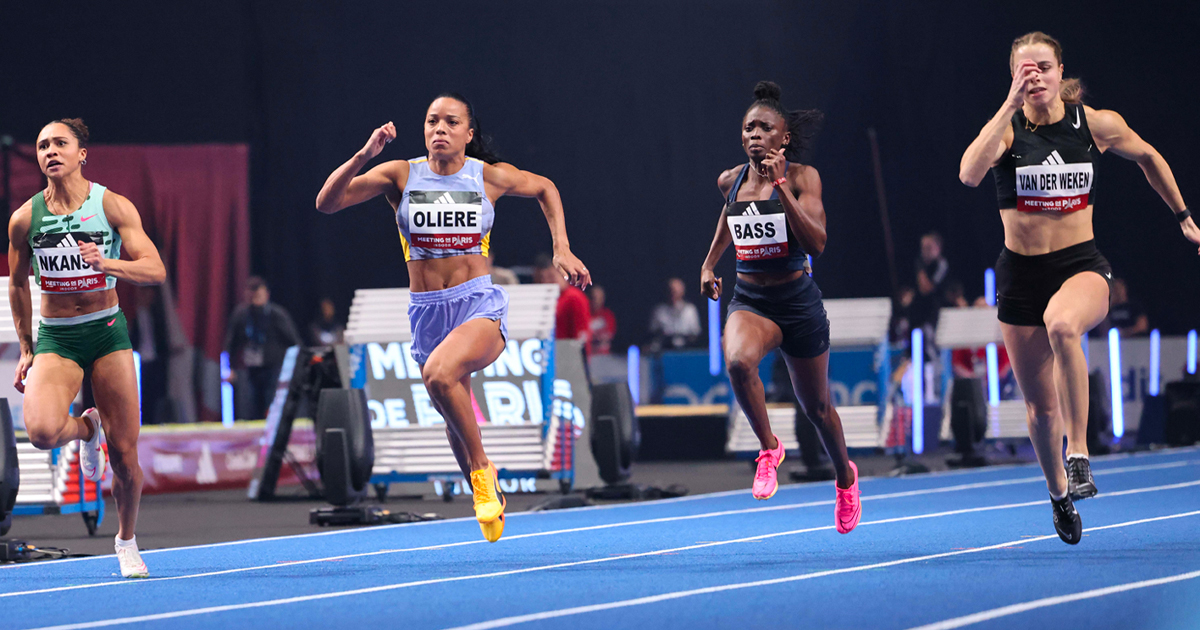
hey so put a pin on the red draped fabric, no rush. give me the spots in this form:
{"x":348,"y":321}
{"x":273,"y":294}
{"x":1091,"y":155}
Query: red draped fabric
{"x":194,"y":203}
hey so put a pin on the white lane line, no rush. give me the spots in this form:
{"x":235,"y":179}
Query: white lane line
{"x":642,"y":504}
{"x":579,"y":610}
{"x":390,"y":587}
{"x":1004,"y":611}
{"x":586,"y":528}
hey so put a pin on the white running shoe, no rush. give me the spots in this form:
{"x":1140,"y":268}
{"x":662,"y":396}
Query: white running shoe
{"x":131,"y":562}
{"x":92,"y":460}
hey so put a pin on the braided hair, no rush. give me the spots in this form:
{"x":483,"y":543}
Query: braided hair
{"x":802,"y":124}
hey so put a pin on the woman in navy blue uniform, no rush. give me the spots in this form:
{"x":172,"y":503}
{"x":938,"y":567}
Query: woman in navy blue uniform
{"x":774,"y":217}
{"x":1052,"y":283}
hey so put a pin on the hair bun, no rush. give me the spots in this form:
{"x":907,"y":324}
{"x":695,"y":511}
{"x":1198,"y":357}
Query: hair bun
{"x":767,"y":91}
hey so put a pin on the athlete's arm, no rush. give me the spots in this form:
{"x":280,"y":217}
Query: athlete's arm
{"x":501,"y":181}
{"x":1111,"y":132}
{"x":710,"y":284}
{"x":997,"y":136}
{"x":805,"y":212}
{"x":345,"y":188}
{"x":145,"y":267}
{"x":19,"y":299}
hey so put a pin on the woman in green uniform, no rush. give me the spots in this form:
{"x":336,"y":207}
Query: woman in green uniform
{"x":70,"y":235}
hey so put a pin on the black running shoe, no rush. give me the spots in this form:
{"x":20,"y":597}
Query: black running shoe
{"x":1066,"y":520}
{"x":1079,"y":478}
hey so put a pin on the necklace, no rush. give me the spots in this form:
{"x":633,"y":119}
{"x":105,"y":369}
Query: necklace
{"x":1033,"y":128}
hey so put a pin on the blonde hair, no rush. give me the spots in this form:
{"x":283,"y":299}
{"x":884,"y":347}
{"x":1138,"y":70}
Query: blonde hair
{"x":1070,"y":90}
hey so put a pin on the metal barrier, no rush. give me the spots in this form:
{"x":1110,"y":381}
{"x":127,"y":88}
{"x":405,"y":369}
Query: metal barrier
{"x":540,"y":449}
{"x":853,"y":323}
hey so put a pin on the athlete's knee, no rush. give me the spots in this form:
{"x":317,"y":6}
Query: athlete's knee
{"x":124,"y":460}
{"x":1039,"y":417}
{"x":43,"y":435}
{"x":741,"y":366}
{"x":438,"y":380}
{"x":1062,"y":332}
{"x":817,"y":411}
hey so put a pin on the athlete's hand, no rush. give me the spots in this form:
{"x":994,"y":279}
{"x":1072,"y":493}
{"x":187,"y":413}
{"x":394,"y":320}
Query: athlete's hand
{"x":92,"y":256}
{"x":572,"y":269}
{"x":774,"y":165}
{"x":1021,"y":76}
{"x":710,"y":284}
{"x":379,"y":138}
{"x":23,"y":366}
{"x":1190,"y":231}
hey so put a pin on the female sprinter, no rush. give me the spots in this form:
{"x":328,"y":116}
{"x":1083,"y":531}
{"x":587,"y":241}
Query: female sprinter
{"x":775,"y":217}
{"x":71,"y":234}
{"x":444,"y":210}
{"x":1052,"y":283}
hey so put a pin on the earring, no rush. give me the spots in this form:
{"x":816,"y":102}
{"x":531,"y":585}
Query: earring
{"x":82,"y":162}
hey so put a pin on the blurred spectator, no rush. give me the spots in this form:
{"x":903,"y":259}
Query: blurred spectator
{"x":326,"y":330}
{"x":932,"y":271}
{"x":953,"y":295}
{"x":676,"y":323}
{"x":500,"y":275}
{"x":603,"y":325}
{"x":901,"y":325}
{"x":573,"y":315}
{"x":259,"y":335}
{"x":149,"y":332}
{"x":1127,"y":314}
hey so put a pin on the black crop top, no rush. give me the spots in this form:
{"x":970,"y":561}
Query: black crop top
{"x":1050,"y":168}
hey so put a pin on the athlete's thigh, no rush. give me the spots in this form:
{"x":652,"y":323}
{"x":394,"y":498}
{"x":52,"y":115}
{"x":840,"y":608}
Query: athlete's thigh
{"x":810,"y":380}
{"x":51,"y":384}
{"x":1032,"y":362}
{"x":471,"y":346}
{"x":1082,"y":301}
{"x":114,"y":384}
{"x":749,"y":336}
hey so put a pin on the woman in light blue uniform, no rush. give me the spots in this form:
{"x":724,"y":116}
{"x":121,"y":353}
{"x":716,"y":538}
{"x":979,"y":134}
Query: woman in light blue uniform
{"x":444,"y":213}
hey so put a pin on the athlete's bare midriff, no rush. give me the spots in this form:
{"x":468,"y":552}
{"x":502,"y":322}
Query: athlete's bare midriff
{"x":770,"y":278}
{"x":1036,"y":233}
{"x":435,"y":274}
{"x":76,"y":304}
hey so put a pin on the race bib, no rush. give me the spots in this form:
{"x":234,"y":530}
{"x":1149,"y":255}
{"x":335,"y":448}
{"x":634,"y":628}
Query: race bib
{"x":60,"y":265}
{"x":1053,"y":187}
{"x":759,"y":229}
{"x":445,"y":219}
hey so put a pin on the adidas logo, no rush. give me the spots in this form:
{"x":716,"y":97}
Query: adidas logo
{"x":1053,"y":159}
{"x":751,"y":210}
{"x":68,"y":241}
{"x":445,"y":198}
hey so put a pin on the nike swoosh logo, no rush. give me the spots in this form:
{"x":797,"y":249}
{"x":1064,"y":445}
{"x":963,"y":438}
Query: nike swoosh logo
{"x":91,"y":217}
{"x":112,"y":322}
{"x":1077,"y":122}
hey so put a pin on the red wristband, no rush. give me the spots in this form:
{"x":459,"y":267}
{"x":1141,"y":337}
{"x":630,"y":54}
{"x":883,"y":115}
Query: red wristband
{"x":779,"y":182}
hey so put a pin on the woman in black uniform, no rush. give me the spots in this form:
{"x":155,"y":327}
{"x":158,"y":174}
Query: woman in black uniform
{"x":1052,"y":283}
{"x":774,"y":217}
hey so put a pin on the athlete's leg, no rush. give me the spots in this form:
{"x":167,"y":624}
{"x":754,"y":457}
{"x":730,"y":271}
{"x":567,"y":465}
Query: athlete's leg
{"x":470,"y":347}
{"x":748,"y":338}
{"x":1079,"y":306}
{"x":114,"y":383}
{"x":456,"y":443}
{"x":52,"y":383}
{"x":1032,"y":362}
{"x":810,"y":379}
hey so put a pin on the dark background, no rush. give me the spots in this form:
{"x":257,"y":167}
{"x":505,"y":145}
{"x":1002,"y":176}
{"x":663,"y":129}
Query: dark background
{"x":631,"y":108}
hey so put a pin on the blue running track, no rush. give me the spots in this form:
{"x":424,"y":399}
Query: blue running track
{"x":968,"y":549}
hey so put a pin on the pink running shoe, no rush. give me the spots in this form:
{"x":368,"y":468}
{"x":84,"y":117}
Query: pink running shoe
{"x":847,"y":510}
{"x":766,"y":481}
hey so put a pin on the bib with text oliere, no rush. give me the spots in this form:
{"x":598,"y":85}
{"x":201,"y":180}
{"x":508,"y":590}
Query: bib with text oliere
{"x":759,"y":229}
{"x":60,"y":264}
{"x":1050,"y":187}
{"x":450,"y":219}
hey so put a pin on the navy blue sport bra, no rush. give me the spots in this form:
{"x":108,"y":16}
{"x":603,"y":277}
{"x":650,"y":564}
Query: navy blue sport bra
{"x":761,"y":236}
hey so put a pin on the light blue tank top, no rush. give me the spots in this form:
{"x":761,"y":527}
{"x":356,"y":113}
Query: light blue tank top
{"x":444,"y":215}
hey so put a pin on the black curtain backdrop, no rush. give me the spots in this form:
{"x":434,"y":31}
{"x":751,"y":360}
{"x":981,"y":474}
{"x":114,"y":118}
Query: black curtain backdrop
{"x":632,"y":108}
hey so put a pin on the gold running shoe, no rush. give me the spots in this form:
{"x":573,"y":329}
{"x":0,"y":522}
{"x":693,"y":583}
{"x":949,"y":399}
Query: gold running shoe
{"x":489,"y":502}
